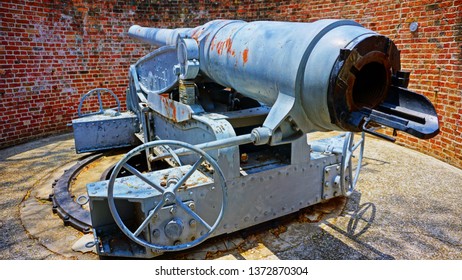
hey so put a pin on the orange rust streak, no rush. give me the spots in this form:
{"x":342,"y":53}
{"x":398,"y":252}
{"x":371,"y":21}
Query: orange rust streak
{"x":173,"y":107}
{"x":225,"y":46}
{"x":220,"y":47}
{"x":245,"y":55}
{"x":169,"y":106}
{"x":228,"y":45}
{"x":196,"y":34}
{"x":212,"y":44}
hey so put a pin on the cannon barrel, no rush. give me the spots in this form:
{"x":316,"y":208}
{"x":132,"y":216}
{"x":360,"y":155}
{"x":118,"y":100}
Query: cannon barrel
{"x":324,"y":75}
{"x":156,"y":36}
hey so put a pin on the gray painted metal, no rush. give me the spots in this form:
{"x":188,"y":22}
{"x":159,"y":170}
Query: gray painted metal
{"x":99,"y":92}
{"x":178,"y":182}
{"x":293,"y":76}
{"x":273,"y":193}
{"x":172,"y":109}
{"x":248,"y":57}
{"x":203,"y":129}
{"x":102,"y":132}
{"x":155,"y":71}
{"x":160,"y":37}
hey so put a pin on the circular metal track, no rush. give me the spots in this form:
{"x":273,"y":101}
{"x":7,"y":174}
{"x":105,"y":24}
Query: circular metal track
{"x":72,"y":213}
{"x":65,"y":190}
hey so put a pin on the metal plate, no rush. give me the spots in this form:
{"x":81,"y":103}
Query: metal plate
{"x":155,"y":70}
{"x":101,"y":132}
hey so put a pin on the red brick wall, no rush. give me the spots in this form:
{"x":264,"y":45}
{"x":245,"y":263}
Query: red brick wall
{"x":52,"y":52}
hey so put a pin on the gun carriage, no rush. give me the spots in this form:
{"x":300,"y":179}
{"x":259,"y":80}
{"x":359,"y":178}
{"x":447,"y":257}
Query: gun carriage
{"x":223,"y":111}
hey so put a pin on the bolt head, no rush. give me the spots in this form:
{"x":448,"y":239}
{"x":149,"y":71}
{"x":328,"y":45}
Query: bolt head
{"x":156,"y":233}
{"x":168,"y":196}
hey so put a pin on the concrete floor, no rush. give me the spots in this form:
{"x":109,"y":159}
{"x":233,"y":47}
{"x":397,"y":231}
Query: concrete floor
{"x":406,"y":206}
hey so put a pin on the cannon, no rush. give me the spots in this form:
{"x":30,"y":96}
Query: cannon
{"x":222,"y":114}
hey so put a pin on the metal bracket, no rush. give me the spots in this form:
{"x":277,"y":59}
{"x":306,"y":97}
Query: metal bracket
{"x":188,"y":57}
{"x":374,"y":132}
{"x":330,"y":184}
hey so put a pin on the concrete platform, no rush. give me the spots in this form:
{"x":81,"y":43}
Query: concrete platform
{"x":407,"y":206}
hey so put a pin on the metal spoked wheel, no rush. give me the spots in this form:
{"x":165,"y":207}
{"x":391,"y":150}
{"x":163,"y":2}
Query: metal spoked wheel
{"x":349,"y":171}
{"x":169,"y":194}
{"x":99,"y":92}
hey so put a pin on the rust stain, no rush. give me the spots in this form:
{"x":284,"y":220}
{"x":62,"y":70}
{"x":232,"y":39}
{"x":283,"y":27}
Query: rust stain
{"x":225,"y":47}
{"x":212,"y":44}
{"x":197,"y":34}
{"x":278,"y":230}
{"x":169,"y":106}
{"x":220,"y":48}
{"x":318,"y":212}
{"x":245,"y":55}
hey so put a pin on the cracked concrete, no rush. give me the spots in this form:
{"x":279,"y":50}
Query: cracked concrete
{"x":406,"y":206}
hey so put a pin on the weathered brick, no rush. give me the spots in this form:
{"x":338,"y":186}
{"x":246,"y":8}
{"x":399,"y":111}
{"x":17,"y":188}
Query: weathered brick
{"x":47,"y":49}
